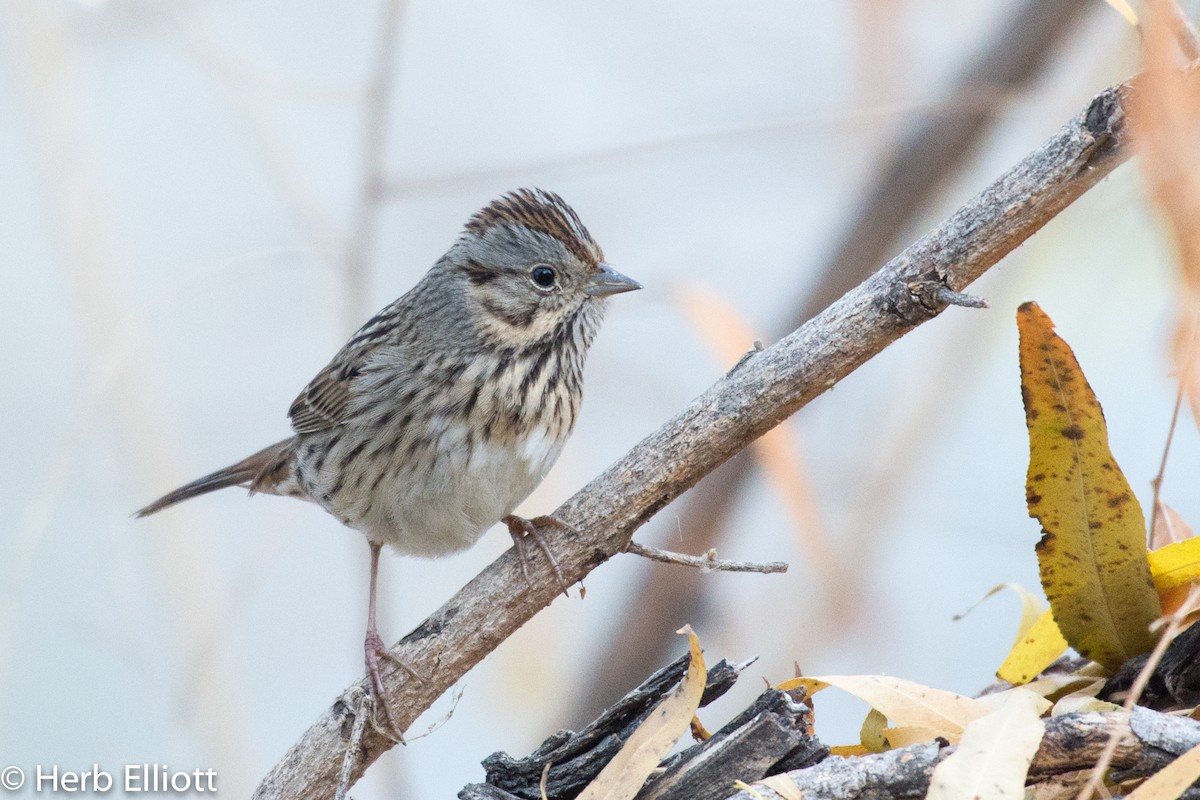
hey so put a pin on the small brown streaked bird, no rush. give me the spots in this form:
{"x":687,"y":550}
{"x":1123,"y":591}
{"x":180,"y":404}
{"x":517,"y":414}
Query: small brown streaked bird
{"x":449,"y":406}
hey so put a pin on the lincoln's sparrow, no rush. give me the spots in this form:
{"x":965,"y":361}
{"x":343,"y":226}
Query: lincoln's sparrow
{"x":446,"y":409}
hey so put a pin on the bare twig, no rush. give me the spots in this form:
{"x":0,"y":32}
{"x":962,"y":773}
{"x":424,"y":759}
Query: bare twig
{"x":726,"y":418}
{"x":953,"y":298}
{"x":707,"y":562}
{"x":941,"y":140}
{"x":1185,"y":382}
{"x":438,"y":723}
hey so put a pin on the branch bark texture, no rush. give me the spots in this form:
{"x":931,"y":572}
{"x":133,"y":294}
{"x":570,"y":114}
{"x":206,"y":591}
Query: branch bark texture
{"x":769,"y":387}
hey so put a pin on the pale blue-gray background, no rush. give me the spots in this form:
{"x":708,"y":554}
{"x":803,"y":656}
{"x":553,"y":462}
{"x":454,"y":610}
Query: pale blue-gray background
{"x":177,"y":184}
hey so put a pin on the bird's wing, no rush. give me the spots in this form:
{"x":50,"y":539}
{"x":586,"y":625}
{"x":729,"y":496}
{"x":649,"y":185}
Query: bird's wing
{"x":325,"y":402}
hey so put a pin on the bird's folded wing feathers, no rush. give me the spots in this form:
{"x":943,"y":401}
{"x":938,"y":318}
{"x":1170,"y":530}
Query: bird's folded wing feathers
{"x":325,"y":402}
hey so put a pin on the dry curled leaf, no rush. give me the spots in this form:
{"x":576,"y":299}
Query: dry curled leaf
{"x":622,"y":777}
{"x":904,"y":703}
{"x":1038,"y":642}
{"x":904,"y":735}
{"x":1173,"y":568}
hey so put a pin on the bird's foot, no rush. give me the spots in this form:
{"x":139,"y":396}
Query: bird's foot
{"x":522,"y":529}
{"x":375,"y":653}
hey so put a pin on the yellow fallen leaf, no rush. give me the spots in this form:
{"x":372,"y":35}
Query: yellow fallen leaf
{"x":622,"y":777}
{"x":871,"y":734}
{"x":1092,"y":555}
{"x":904,"y":703}
{"x":1172,"y":780}
{"x":1173,"y":568}
{"x":1173,"y":572}
{"x":1176,"y":564}
{"x":849,"y":750}
{"x":1037,"y":650}
{"x":991,"y":761}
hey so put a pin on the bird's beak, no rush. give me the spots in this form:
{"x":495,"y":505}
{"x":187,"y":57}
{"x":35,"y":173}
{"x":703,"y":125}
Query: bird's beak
{"x":606,"y":281}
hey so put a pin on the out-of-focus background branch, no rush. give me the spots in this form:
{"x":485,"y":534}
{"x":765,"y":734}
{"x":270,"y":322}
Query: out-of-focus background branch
{"x":185,"y":187}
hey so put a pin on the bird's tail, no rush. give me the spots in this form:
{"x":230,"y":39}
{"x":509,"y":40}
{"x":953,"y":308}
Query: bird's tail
{"x":262,"y":472}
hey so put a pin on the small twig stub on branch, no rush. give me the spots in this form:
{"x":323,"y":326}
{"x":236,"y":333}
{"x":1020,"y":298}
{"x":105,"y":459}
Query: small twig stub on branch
{"x":707,"y":562}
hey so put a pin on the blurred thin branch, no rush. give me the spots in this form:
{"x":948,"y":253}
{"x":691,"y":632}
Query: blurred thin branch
{"x":934,"y":148}
{"x":739,"y":408}
{"x":250,"y":115}
{"x":360,"y":244}
{"x":1185,"y":32}
{"x":573,"y":164}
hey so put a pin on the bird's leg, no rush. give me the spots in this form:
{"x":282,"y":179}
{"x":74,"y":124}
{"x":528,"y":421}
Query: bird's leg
{"x":519,"y":528}
{"x":375,"y":651}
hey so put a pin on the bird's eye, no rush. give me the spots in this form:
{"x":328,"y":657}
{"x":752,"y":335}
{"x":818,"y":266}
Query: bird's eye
{"x":543,"y":276}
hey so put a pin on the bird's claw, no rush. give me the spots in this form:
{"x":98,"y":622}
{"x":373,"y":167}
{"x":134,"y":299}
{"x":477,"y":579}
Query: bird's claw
{"x":520,"y":528}
{"x":375,"y":653}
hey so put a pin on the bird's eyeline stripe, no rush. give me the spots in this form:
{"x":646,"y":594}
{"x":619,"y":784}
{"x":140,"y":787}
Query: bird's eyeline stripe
{"x":477,"y":273}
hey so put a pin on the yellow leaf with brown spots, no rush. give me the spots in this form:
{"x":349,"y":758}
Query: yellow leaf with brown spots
{"x":1092,"y":555}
